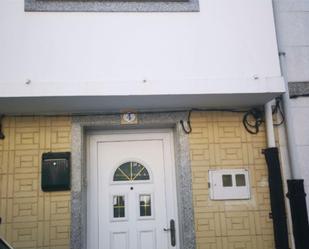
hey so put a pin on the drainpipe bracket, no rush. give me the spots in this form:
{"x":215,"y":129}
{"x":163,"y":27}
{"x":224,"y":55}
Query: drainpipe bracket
{"x":282,"y":53}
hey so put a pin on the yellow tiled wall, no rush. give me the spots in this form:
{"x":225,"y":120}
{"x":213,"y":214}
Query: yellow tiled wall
{"x":30,"y":217}
{"x":34,"y":219}
{"x":219,"y":141}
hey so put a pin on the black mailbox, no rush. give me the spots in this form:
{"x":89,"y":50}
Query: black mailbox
{"x":56,"y":171}
{"x":4,"y":244}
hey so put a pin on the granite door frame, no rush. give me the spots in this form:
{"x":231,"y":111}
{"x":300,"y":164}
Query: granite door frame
{"x":81,"y":125}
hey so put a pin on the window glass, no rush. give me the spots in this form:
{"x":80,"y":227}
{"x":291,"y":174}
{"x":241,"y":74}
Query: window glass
{"x":240,"y":180}
{"x":145,"y":205}
{"x":227,"y":180}
{"x":119,"y":206}
{"x":131,"y":171}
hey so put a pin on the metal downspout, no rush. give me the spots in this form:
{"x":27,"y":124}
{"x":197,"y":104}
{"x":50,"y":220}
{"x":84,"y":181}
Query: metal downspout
{"x":296,"y":192}
{"x":292,"y":150}
{"x":270,"y":134}
{"x":275,"y":182}
{"x":289,"y":126}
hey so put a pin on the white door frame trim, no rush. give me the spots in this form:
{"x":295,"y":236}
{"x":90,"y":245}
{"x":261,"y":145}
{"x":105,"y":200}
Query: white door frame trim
{"x":165,"y":136}
{"x":82,"y":125}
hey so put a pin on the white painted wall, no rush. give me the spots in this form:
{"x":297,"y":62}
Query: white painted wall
{"x":218,"y":50}
{"x":293,"y":23}
{"x":293,"y":20}
{"x":300,"y":109}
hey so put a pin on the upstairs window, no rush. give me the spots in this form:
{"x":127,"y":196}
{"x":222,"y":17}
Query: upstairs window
{"x":112,"y":5}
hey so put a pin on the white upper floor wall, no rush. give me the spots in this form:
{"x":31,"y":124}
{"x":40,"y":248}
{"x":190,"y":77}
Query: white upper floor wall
{"x":293,"y":30}
{"x":227,"y":47}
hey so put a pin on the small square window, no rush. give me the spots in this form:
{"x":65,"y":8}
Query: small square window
{"x":240,"y":180}
{"x":145,"y":205}
{"x":119,"y":206}
{"x":227,"y":180}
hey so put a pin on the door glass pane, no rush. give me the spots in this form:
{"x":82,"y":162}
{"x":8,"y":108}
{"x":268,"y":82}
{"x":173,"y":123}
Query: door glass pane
{"x":227,"y":180}
{"x":240,"y":180}
{"x":131,"y":171}
{"x":145,"y":205}
{"x":119,"y":206}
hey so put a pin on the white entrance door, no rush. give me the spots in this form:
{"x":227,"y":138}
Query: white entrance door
{"x":131,"y":192}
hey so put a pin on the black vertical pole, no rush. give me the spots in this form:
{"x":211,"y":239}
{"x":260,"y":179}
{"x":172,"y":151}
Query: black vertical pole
{"x":277,"y":198}
{"x":297,"y":197}
{"x":1,"y":132}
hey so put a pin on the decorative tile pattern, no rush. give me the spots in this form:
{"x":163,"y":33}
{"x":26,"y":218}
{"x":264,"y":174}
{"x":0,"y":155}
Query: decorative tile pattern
{"x":34,"y":219}
{"x":31,"y":218}
{"x":219,"y":141}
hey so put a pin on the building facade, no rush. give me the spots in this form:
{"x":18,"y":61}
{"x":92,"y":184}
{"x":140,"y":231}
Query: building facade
{"x":292,"y":23}
{"x":71,"y":69}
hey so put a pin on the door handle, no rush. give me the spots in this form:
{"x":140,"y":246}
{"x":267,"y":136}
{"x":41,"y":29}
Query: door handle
{"x":172,"y":229}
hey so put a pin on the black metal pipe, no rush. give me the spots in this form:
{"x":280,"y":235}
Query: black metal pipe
{"x":297,"y":197}
{"x":1,"y":132}
{"x":277,"y":198}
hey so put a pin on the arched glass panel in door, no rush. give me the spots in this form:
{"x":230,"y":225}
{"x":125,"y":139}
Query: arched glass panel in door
{"x":131,"y":171}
